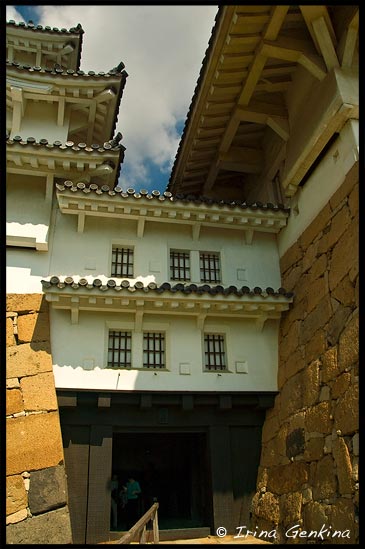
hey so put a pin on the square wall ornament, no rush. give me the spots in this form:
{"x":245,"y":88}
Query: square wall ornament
{"x":184,"y":368}
{"x":242,"y":367}
{"x":241,"y":275}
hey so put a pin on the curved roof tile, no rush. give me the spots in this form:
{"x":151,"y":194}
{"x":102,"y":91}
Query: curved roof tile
{"x":55,"y":71}
{"x":39,"y":28}
{"x":125,"y":284}
{"x":156,"y":195}
{"x":69,"y":145}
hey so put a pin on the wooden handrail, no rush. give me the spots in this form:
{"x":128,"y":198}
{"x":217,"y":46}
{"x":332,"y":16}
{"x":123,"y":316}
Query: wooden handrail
{"x":139,"y":529}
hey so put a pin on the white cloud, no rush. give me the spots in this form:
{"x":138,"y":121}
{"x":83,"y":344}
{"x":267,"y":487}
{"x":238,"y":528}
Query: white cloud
{"x":163,"y":48}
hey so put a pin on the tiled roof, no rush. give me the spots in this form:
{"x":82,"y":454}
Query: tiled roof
{"x":156,"y":195}
{"x":58,"y":71}
{"x":69,"y":145}
{"x":37,"y":28}
{"x":125,"y":285}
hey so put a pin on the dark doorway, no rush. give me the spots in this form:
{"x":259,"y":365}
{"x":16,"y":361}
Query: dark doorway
{"x":170,"y":467}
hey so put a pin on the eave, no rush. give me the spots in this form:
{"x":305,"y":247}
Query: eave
{"x":202,"y":302}
{"x":59,"y":160}
{"x":46,"y":43}
{"x":245,"y":105}
{"x":96,"y":96}
{"x":144,"y":208}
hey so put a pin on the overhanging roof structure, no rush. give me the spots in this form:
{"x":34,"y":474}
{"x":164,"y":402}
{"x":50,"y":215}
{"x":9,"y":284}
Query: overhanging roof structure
{"x":276,"y":84}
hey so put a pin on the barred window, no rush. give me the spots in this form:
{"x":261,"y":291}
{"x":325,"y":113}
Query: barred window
{"x":119,"y":349}
{"x":122,"y":262}
{"x":209,"y":267}
{"x":179,"y":265}
{"x":153,"y":350}
{"x":214,"y":350}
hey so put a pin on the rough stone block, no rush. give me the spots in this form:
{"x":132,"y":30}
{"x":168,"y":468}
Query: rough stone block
{"x":341,"y":384}
{"x":26,"y":303}
{"x":291,"y":341}
{"x":292,"y":278}
{"x":315,"y":320}
{"x":46,"y":529}
{"x":16,"y":495}
{"x":270,"y":428}
{"x":344,"y":255}
{"x":309,"y":256}
{"x":315,"y":515}
{"x":348,"y":349}
{"x":33,"y":327}
{"x":353,"y":201}
{"x":33,"y":442}
{"x":267,"y":507}
{"x":291,"y":257}
{"x":351,"y":179}
{"x":39,"y":392}
{"x":340,"y":223}
{"x":313,"y":230}
{"x":295,"y":443}
{"x":287,"y":478}
{"x":318,"y":267}
{"x":10,"y":339}
{"x":318,"y":418}
{"x":347,"y":411}
{"x":12,"y":383}
{"x":290,"y":506}
{"x":291,"y":397}
{"x":28,"y":359}
{"x":315,"y":347}
{"x":337,"y":324}
{"x":343,"y":463}
{"x":314,"y":449}
{"x":310,"y":381}
{"x":355,"y":444}
{"x":344,"y":292}
{"x":329,"y":365}
{"x":342,"y":518}
{"x":17,"y":517}
{"x":325,"y":393}
{"x":294,"y":364}
{"x":316,"y":292}
{"x":47,"y":489}
{"x":14,"y":401}
{"x":325,"y":481}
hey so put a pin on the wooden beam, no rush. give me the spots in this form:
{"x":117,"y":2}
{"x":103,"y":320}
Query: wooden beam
{"x":277,"y":19}
{"x":312,"y":63}
{"x":347,"y":45}
{"x":325,"y":43}
{"x":310,"y":13}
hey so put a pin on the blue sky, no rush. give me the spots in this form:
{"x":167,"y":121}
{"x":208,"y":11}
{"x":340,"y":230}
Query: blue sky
{"x":163,"y":49}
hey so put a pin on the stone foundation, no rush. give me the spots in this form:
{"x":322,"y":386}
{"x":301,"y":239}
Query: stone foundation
{"x":308,"y":473}
{"x":36,"y":502}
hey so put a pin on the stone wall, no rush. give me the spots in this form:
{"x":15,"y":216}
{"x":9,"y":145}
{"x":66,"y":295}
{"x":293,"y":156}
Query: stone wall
{"x":308,"y":473}
{"x":36,"y":502}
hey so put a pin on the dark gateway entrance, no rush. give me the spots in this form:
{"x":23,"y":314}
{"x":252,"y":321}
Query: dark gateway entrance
{"x":200,"y":450}
{"x":173,"y":468}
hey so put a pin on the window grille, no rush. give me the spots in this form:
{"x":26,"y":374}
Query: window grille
{"x":122,"y":262}
{"x":119,"y":349}
{"x":179,"y":265}
{"x":153,"y":350}
{"x":214,"y":350}
{"x":209,"y":267}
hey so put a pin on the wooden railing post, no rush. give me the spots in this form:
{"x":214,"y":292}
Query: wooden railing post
{"x":140,"y":528}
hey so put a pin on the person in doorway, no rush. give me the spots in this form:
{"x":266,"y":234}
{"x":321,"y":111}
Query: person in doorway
{"x":114,"y":502}
{"x":132,"y":508}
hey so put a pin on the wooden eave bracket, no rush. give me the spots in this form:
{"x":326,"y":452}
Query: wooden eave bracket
{"x":264,"y":221}
{"x":258,"y":310}
{"x":340,"y":89}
